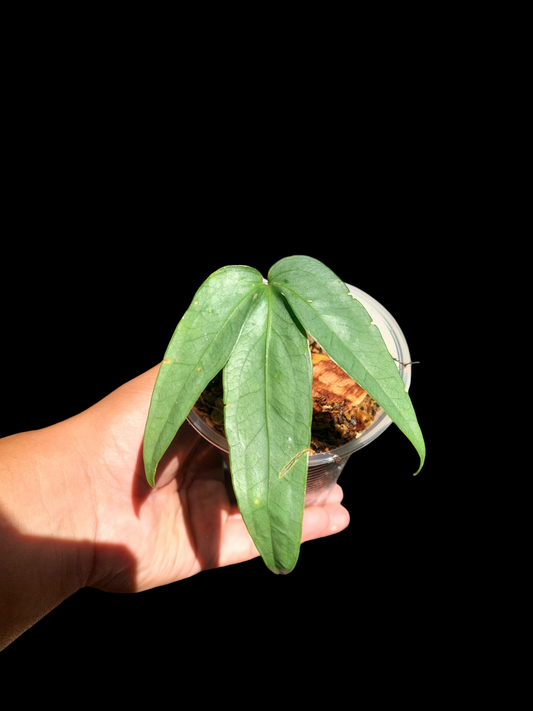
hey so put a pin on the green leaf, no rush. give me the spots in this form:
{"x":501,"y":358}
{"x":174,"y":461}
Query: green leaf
{"x":267,"y":392}
{"x":257,"y":334}
{"x":198,"y":350}
{"x":344,"y":329}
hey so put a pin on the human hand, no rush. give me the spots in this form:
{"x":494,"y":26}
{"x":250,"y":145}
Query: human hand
{"x":182,"y":526}
{"x":76,"y":510}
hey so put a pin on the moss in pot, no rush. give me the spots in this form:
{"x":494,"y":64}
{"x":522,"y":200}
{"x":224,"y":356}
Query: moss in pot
{"x":342,"y":412}
{"x":257,"y":334}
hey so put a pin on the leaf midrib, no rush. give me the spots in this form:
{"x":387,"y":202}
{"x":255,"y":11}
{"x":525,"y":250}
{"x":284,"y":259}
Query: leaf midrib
{"x":317,"y":313}
{"x":267,"y":409}
{"x":268,"y":332}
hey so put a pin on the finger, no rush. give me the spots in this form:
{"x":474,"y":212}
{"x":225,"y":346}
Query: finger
{"x":325,"y":520}
{"x":236,"y":544}
{"x":319,"y":521}
{"x":335,"y":496}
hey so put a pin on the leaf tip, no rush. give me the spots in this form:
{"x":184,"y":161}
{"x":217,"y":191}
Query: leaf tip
{"x":422,"y":460}
{"x":149,"y":472}
{"x":151,"y":480}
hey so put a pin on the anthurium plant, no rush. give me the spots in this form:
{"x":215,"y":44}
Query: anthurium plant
{"x":256,"y":332}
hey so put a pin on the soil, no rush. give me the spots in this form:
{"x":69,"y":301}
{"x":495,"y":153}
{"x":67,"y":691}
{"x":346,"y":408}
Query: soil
{"x":342,"y":410}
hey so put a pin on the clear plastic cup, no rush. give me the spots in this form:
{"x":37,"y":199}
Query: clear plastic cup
{"x":324,"y":468}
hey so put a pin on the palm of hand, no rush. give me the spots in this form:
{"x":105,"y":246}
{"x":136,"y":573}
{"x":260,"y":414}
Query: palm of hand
{"x":148,"y":537}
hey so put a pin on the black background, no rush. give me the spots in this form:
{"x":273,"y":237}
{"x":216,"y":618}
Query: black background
{"x":114,"y":225}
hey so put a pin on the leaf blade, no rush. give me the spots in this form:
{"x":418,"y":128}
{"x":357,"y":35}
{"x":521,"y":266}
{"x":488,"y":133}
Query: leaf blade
{"x":268,"y":423}
{"x":342,"y":326}
{"x":198,"y":350}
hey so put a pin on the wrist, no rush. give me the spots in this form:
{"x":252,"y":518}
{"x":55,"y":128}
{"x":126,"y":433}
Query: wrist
{"x":46,"y":519}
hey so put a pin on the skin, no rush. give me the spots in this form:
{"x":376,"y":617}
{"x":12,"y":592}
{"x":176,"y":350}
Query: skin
{"x":76,"y":510}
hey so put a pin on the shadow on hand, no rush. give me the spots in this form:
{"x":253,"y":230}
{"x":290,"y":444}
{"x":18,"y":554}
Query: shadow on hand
{"x":192,"y":466}
{"x":179,"y":454}
{"x":199,"y":474}
{"x":27,"y":594}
